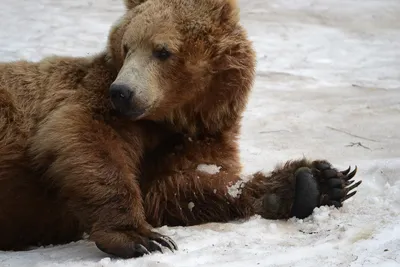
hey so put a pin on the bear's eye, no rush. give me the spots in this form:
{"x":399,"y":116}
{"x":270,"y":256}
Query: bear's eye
{"x":162,"y":54}
{"x":126,"y":49}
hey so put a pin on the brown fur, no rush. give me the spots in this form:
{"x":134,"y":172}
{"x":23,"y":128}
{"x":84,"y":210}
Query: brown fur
{"x":69,"y":165}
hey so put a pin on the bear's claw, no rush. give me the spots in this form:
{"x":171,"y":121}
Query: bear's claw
{"x":131,"y":249}
{"x":167,"y":242}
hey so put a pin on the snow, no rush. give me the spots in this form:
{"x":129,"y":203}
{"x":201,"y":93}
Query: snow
{"x":235,"y":190}
{"x":328,"y":85}
{"x":209,"y":168}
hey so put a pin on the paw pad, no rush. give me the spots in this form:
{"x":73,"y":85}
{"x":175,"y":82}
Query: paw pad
{"x":322,"y":185}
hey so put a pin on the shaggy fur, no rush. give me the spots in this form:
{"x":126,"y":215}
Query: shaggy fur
{"x":71,"y":163}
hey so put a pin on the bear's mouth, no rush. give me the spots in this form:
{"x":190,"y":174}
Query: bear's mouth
{"x":129,"y":113}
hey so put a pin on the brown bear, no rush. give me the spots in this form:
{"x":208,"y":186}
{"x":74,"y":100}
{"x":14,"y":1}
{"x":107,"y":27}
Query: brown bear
{"x":141,"y":135}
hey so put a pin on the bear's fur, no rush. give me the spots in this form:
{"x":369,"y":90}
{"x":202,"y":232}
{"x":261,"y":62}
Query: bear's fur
{"x":178,"y":74}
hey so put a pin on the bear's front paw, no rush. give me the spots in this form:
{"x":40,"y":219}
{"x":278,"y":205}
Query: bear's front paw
{"x":335,"y":186}
{"x":321,"y":185}
{"x":131,"y":243}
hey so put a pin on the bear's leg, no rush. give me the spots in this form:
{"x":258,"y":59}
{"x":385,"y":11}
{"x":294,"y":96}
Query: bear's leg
{"x":189,"y":197}
{"x":296,"y":188}
{"x":29,"y":215}
{"x":94,"y":170}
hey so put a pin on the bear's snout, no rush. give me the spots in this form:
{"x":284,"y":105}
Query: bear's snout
{"x":126,"y":102}
{"x":121,"y":97}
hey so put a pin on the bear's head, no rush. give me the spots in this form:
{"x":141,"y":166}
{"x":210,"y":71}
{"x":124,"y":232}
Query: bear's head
{"x":184,"y":62}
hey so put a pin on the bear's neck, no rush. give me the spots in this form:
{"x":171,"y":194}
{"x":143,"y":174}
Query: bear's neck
{"x":202,"y":124}
{"x":101,"y":72}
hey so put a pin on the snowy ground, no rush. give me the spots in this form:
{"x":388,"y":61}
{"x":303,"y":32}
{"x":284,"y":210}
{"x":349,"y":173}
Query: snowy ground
{"x":328,"y":85}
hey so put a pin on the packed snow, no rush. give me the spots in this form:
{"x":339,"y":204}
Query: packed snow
{"x":328,"y":85}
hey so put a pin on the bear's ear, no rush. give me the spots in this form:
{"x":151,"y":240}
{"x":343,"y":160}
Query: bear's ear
{"x":133,"y":3}
{"x":229,"y":11}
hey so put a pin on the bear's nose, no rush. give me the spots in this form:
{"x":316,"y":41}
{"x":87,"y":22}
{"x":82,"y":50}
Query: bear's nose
{"x":120,"y":91}
{"x":121,"y":96}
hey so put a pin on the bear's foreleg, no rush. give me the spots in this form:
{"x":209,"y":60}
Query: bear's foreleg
{"x":94,"y":169}
{"x":192,"y":197}
{"x":296,"y":188}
